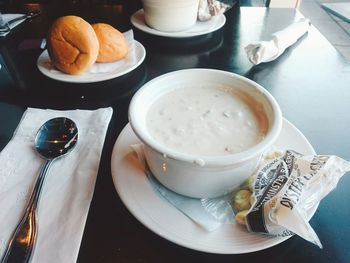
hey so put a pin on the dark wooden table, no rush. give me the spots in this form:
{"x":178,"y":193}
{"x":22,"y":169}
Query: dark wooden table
{"x":311,"y":82}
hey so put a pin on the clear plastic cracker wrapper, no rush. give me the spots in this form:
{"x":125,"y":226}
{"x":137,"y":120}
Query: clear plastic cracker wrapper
{"x":209,"y":8}
{"x":279,"y":199}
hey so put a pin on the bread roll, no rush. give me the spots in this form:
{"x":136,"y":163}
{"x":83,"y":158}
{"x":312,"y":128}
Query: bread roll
{"x":113,"y":45}
{"x":72,"y":44}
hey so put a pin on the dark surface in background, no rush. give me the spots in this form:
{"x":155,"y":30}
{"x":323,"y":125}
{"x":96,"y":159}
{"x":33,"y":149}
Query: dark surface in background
{"x":310,"y":82}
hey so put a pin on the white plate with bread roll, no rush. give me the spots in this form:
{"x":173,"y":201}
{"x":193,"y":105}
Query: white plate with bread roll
{"x":200,"y":28}
{"x":99,"y":71}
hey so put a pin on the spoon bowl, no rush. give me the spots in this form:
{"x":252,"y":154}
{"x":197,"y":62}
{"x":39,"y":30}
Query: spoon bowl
{"x":55,"y":138}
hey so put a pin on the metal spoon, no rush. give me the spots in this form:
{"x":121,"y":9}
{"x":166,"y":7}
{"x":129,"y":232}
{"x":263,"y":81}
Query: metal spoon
{"x":5,"y":26}
{"x":55,"y":138}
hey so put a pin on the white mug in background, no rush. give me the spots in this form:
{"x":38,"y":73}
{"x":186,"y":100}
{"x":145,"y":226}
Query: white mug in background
{"x":170,"y":15}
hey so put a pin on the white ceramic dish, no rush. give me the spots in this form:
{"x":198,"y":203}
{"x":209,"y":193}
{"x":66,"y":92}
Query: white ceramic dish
{"x":170,"y":16}
{"x":200,"y":28}
{"x":212,"y":175}
{"x":159,"y":216}
{"x":109,"y":71}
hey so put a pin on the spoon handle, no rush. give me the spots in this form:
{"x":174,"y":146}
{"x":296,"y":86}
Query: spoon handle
{"x":23,"y":239}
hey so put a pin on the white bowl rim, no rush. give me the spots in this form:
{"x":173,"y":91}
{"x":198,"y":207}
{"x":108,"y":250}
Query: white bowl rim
{"x":214,"y":160}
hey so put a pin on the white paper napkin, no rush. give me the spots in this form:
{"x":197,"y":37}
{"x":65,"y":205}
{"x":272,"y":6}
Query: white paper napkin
{"x":68,"y":187}
{"x":265,"y":51}
{"x":8,"y":17}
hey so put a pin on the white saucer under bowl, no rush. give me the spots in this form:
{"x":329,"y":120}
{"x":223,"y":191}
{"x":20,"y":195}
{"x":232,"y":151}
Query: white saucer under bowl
{"x":200,"y":28}
{"x":159,"y":216}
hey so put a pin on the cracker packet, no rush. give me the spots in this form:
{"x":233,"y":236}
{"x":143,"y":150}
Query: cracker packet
{"x":277,"y":200}
{"x":282,"y":196}
{"x":211,"y":8}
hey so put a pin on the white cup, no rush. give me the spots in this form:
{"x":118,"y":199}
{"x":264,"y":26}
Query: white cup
{"x":170,"y":15}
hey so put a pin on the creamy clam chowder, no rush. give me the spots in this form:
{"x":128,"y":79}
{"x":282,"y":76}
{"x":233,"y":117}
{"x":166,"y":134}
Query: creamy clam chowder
{"x":206,"y":120}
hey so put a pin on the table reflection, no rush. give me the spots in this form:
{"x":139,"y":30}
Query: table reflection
{"x":309,"y":80}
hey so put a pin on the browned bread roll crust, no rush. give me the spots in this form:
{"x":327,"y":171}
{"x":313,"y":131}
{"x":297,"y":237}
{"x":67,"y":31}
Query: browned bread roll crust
{"x":113,"y":45}
{"x":72,"y":44}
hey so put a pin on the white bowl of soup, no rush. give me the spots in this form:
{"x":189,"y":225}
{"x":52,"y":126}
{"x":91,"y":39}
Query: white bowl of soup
{"x":204,"y":130}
